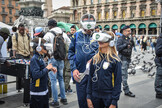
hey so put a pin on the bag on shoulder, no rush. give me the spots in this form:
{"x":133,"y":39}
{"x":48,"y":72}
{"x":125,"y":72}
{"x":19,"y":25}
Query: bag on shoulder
{"x":9,"y":43}
{"x":59,"y":48}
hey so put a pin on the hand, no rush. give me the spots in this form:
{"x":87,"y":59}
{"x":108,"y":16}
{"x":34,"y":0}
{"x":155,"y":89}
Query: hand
{"x":49,"y":67}
{"x":7,"y":63}
{"x":89,"y":102}
{"x":13,"y":57}
{"x":112,"y":106}
{"x":45,"y":59}
{"x":129,"y":46}
{"x":89,"y":61}
{"x":76,"y":75}
{"x":54,"y":69}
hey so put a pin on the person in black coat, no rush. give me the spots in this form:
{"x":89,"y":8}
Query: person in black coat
{"x":158,"y":62}
{"x":124,"y":47}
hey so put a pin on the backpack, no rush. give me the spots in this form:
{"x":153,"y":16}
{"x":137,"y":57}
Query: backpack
{"x":9,"y":43}
{"x":59,"y":47}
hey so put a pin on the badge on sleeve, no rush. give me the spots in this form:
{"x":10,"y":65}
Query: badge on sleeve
{"x":106,"y":65}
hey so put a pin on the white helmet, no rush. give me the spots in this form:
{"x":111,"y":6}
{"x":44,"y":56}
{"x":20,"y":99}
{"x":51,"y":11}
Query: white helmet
{"x":88,"y":21}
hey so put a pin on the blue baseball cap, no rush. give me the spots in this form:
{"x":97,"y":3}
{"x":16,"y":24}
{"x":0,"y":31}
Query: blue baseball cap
{"x":118,"y":34}
{"x":38,"y":30}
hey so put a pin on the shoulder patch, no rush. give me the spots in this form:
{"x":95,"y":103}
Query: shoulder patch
{"x":73,"y":36}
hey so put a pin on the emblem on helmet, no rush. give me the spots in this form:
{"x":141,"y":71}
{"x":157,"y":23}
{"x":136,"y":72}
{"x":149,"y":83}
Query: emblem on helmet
{"x":97,"y":36}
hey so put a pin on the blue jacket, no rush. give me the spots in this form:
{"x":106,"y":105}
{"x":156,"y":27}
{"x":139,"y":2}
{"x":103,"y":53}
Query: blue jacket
{"x":38,"y":71}
{"x":108,"y":85}
{"x":158,"y":51}
{"x":78,"y":55}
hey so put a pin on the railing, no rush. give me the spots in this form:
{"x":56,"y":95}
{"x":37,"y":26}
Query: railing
{"x":10,"y":6}
{"x":4,"y":13}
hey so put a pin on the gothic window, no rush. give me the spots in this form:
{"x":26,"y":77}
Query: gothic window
{"x":107,"y":15}
{"x":115,"y":14}
{"x":132,"y":13}
{"x":142,"y":13}
{"x":153,"y":12}
{"x":99,"y":15}
{"x":123,"y":14}
{"x":75,"y":15}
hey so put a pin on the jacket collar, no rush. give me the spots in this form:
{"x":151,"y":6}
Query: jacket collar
{"x":125,"y":37}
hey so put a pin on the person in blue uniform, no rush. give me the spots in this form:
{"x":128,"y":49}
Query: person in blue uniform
{"x":104,"y":82}
{"x":81,"y":50}
{"x":39,"y":75}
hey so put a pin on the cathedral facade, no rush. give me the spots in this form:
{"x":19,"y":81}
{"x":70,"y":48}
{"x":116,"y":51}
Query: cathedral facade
{"x":143,"y":16}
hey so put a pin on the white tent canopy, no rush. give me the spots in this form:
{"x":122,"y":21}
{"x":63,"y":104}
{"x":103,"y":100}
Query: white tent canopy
{"x":7,"y":26}
{"x":4,"y":46}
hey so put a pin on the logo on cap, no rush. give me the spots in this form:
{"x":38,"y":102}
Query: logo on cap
{"x":97,"y":36}
{"x":88,"y":26}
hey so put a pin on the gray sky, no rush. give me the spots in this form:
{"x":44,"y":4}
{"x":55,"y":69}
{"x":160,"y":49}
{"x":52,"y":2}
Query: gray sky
{"x":60,"y":3}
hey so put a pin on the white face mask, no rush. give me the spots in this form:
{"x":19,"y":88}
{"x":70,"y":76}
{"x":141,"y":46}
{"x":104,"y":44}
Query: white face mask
{"x":1,"y":40}
{"x":89,"y":23}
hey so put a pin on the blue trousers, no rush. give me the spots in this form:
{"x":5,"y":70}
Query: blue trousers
{"x":59,"y":64}
{"x":81,"y":92}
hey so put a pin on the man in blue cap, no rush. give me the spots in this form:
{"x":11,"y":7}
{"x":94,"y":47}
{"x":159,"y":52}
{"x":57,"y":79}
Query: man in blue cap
{"x":39,"y":32}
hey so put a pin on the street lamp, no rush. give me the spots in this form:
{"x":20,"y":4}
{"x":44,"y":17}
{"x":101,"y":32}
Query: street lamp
{"x":160,"y":31}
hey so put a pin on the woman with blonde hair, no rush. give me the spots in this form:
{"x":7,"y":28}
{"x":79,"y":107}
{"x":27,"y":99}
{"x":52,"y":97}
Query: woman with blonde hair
{"x":104,"y":83}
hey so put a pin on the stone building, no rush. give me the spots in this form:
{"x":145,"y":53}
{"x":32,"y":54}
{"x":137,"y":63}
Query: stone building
{"x":143,"y":16}
{"x":61,"y":14}
{"x":9,"y":11}
{"x":47,"y":8}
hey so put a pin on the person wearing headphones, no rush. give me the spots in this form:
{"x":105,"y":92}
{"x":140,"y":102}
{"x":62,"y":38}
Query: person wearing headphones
{"x":104,"y":82}
{"x":39,"y":76}
{"x":81,"y":50}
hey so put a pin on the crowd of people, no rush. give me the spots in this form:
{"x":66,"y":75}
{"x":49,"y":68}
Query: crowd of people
{"x":97,"y":61}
